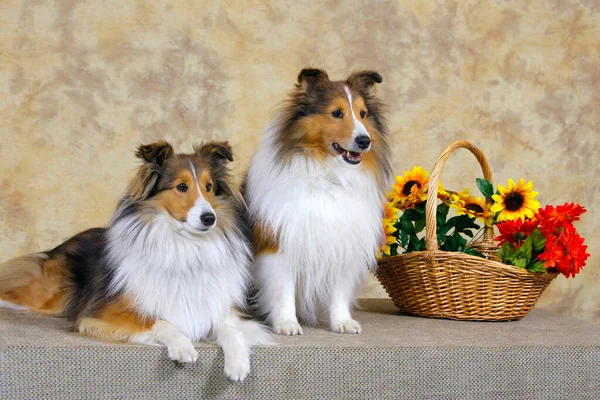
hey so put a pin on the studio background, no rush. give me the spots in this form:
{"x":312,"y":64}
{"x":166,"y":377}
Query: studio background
{"x":82,"y":83}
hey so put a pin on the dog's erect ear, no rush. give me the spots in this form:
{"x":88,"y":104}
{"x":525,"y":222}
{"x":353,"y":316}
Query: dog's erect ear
{"x":217,"y":152}
{"x":144,"y":183}
{"x":310,"y":78}
{"x":155,"y":153}
{"x":364,"y":81}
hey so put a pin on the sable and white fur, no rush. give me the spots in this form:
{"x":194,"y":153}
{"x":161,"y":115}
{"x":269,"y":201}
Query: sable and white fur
{"x":318,"y":211}
{"x":161,"y":273}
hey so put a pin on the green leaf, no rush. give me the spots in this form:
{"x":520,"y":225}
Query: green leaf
{"x":442,"y":213}
{"x":398,"y":223}
{"x":403,"y":239}
{"x":413,"y":215}
{"x":524,"y":251}
{"x":454,"y":220}
{"x":506,"y":253}
{"x":496,"y":216}
{"x":443,"y":231}
{"x":485,"y":187}
{"x":466,"y":222}
{"x":537,"y":266}
{"x":454,"y":242}
{"x":408,"y":227}
{"x":519,"y":262}
{"x":448,"y":244}
{"x":419,"y":225}
{"x":415,"y":244}
{"x":460,"y":241}
{"x":538,"y":240}
{"x":472,"y":252}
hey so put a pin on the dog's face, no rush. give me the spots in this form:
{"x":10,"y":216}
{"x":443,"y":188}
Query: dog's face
{"x":186,"y":185}
{"x":337,"y":120}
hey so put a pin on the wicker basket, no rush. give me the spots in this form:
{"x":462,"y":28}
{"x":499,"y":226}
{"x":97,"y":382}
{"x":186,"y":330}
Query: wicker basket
{"x":442,"y":284}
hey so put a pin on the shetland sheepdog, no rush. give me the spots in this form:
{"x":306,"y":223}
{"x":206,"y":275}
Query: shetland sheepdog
{"x":314,"y":191}
{"x":172,"y":266}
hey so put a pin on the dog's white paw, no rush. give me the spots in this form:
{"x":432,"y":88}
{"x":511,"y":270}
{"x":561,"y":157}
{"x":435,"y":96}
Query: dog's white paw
{"x":183,"y":351}
{"x":348,"y":326}
{"x":238,"y":368}
{"x":287,"y":327}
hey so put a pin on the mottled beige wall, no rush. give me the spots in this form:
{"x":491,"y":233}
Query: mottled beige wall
{"x":83,"y":83}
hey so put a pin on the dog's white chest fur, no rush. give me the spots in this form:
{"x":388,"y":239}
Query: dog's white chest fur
{"x":192,"y":283}
{"x":327,"y":217}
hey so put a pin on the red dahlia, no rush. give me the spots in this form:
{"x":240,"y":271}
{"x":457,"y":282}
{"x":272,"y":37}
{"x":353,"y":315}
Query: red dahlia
{"x":552,"y":218}
{"x":515,"y":231}
{"x":565,"y":252}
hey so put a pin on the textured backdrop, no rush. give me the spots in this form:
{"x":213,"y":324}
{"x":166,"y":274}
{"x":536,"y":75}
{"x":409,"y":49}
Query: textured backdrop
{"x":83,"y":83}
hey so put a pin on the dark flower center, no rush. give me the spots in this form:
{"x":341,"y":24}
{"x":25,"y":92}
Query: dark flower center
{"x":474,"y":207}
{"x":514,"y":201}
{"x":520,"y":236}
{"x":408,"y":187}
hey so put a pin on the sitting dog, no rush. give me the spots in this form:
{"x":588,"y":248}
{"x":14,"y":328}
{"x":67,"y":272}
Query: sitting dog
{"x":314,"y":191}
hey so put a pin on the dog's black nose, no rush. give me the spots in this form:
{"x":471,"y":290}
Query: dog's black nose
{"x":208,"y":219}
{"x":363,"y":141}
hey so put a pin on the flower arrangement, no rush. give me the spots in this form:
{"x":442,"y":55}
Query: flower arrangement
{"x":534,"y":238}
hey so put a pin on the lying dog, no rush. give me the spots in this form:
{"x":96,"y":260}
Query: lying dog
{"x":171,"y":267}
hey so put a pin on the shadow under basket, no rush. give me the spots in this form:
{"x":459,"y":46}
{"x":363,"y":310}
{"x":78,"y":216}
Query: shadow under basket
{"x":454,"y":285}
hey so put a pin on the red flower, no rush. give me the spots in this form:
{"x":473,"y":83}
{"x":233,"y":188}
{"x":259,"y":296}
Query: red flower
{"x":515,"y":231}
{"x":554,"y":252}
{"x":576,"y":253}
{"x":565,"y":252}
{"x":552,"y":218}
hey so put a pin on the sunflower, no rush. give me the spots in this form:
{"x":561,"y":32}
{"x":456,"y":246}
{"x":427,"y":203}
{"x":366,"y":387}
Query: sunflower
{"x":410,"y":189}
{"x":389,"y":239}
{"x":390,"y":214}
{"x":516,"y":201}
{"x":473,"y":207}
{"x":449,"y":196}
{"x":390,"y":217}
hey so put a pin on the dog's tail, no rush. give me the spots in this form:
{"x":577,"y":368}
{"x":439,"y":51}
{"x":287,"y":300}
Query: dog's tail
{"x":35,"y":282}
{"x":21,"y":271}
{"x":256,"y":333}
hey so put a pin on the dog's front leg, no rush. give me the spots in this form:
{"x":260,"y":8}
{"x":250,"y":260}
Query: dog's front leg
{"x":277,"y":293}
{"x":180,"y":348}
{"x":339,"y":310}
{"x":236,"y":349}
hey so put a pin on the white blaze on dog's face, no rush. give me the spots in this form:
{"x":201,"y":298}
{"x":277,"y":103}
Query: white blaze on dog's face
{"x":335,"y":116}
{"x":360,"y":135}
{"x":185,"y":186}
{"x":202,"y":215}
{"x":187,"y":194}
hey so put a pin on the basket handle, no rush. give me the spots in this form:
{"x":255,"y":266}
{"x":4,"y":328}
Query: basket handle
{"x":431,"y":242}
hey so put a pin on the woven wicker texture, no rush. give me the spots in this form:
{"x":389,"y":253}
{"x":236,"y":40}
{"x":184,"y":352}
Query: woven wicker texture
{"x":442,"y":284}
{"x":543,"y":356}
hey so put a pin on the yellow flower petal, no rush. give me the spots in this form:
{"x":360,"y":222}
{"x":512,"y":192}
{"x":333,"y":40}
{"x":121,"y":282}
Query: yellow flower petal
{"x":511,"y":185}
{"x":516,"y":201}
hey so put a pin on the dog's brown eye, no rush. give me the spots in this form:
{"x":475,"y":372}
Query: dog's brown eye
{"x":182,"y":187}
{"x":363,"y":114}
{"x":337,"y":114}
{"x":208,"y":187}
